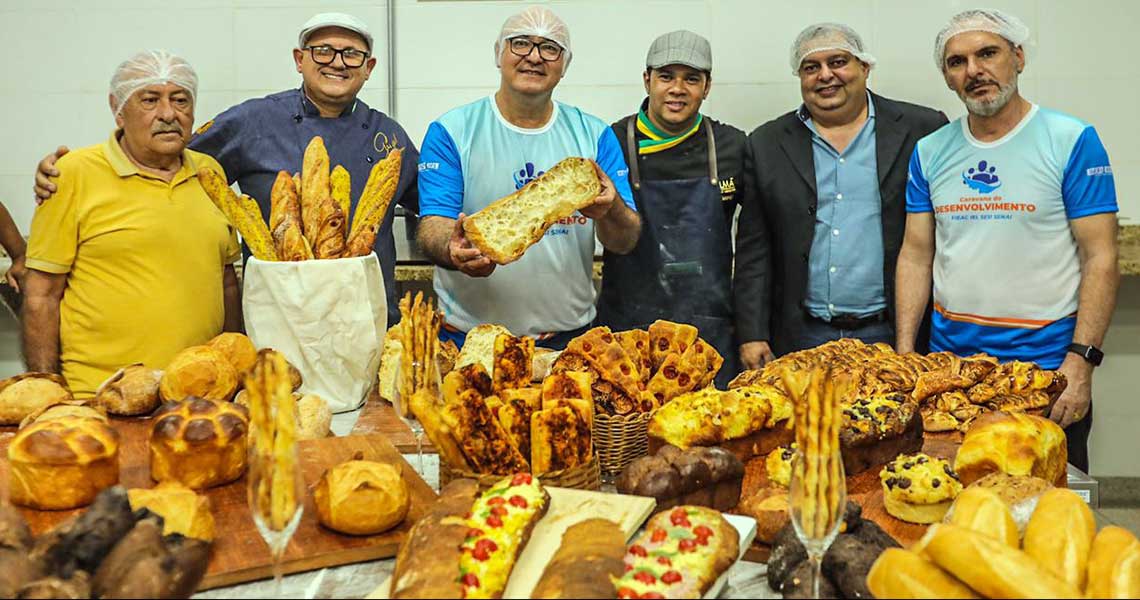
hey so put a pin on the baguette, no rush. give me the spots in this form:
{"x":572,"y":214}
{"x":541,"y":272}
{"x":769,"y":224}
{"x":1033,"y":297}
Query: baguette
{"x":427,"y":558}
{"x":329,"y":238}
{"x":990,"y":567}
{"x":899,"y":573}
{"x":1108,"y":571}
{"x":499,"y":528}
{"x":314,"y":187}
{"x":340,"y":186}
{"x":508,"y":226}
{"x":1060,"y":534}
{"x":377,"y":196}
{"x":243,"y":213}
{"x":589,"y":556}
{"x":982,"y":510}
{"x":283,"y":201}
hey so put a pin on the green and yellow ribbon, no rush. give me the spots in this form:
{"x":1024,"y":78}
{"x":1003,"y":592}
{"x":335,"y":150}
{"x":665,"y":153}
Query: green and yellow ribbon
{"x":659,"y":140}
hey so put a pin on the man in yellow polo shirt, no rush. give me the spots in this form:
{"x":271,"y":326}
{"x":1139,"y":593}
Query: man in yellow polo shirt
{"x":131,"y":262}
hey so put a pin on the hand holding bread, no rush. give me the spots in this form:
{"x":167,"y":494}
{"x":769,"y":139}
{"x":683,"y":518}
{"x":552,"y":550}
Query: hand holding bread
{"x":464,"y":255}
{"x":604,"y":201}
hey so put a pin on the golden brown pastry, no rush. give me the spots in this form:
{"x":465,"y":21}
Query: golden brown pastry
{"x":22,"y":395}
{"x":899,"y":573}
{"x":982,"y":510}
{"x":586,"y":562}
{"x":182,"y":510}
{"x":1014,"y":443}
{"x":1060,"y":535}
{"x":199,"y":442}
{"x":374,"y":203}
{"x":1114,"y":564}
{"x":132,"y":390}
{"x":512,"y":362}
{"x":70,"y":408}
{"x":200,"y":371}
{"x":314,"y":186}
{"x":284,"y":203}
{"x":238,"y":350}
{"x":361,"y":497}
{"x":426,"y":562}
{"x":329,"y":241}
{"x":666,"y":337}
{"x":62,"y":463}
{"x":918,"y":488}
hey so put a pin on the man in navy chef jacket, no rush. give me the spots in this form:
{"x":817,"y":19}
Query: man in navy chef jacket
{"x":259,"y":137}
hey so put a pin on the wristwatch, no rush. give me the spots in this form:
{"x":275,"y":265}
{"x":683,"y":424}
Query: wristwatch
{"x":1090,"y":353}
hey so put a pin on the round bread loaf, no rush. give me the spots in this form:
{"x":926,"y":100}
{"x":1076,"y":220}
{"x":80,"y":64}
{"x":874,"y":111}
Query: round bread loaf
{"x":361,"y":497}
{"x":199,"y":371}
{"x":132,"y":390}
{"x":24,"y":394}
{"x":63,"y":463}
{"x":1013,"y":443}
{"x":199,"y":442}
{"x":238,"y":350}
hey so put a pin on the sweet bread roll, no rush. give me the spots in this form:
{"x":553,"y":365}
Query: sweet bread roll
{"x":508,"y":226}
{"x":918,"y":488}
{"x":899,"y":573}
{"x":70,"y":408}
{"x":1114,"y":564}
{"x":198,"y":442}
{"x":1060,"y":535}
{"x":1014,"y":443}
{"x":62,"y":463}
{"x":238,"y":350}
{"x":132,"y":390}
{"x":314,"y":417}
{"x":182,"y":510}
{"x":200,"y":371}
{"x":24,"y":394}
{"x":361,"y":497}
{"x":980,"y":509}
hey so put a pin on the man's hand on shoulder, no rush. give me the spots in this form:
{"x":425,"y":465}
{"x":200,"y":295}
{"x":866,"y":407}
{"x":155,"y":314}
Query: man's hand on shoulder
{"x":44,"y":188}
{"x":464,"y":255}
{"x":605,"y":199}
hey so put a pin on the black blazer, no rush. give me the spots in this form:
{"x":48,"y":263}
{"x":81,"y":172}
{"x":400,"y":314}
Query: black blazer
{"x":777,"y":220}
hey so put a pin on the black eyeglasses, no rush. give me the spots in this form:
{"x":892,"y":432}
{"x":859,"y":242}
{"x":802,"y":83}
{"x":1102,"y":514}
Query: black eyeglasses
{"x":548,"y":51}
{"x":325,"y":55}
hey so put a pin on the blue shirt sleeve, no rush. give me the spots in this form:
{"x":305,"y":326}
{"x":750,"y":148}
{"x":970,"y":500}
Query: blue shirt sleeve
{"x":221,"y":139}
{"x":612,"y":161}
{"x":1087,"y":186}
{"x":917,"y":188}
{"x":441,"y":175}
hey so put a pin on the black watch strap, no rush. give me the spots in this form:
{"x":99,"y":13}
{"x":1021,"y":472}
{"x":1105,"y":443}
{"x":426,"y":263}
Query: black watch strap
{"x":1092,"y":354}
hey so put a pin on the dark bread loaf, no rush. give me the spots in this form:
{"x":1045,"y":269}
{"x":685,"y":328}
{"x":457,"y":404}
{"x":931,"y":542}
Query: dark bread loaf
{"x":699,"y":476}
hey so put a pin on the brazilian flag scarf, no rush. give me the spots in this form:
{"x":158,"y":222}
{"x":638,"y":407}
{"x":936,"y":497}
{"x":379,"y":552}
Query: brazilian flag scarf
{"x":659,"y":140}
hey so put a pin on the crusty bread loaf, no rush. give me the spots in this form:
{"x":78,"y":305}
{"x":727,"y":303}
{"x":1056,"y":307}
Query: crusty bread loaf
{"x":1014,"y":443}
{"x":589,"y":557}
{"x":508,"y":226}
{"x":62,"y":463}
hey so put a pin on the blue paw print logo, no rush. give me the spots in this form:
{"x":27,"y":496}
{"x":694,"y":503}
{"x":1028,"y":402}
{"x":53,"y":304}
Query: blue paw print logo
{"x":526,"y":175}
{"x":982,"y":178}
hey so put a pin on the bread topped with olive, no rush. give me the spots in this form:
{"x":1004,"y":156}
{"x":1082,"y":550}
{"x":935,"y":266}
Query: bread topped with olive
{"x":918,"y":488}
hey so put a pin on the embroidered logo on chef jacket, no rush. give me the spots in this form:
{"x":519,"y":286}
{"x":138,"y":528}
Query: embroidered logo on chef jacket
{"x":383,"y":145}
{"x":727,"y":189}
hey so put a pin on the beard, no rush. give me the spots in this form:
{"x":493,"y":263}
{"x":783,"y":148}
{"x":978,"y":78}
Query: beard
{"x":990,"y":107}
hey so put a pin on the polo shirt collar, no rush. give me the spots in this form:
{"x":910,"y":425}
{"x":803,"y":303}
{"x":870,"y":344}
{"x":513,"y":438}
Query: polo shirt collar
{"x":123,"y":166}
{"x":310,"y":110}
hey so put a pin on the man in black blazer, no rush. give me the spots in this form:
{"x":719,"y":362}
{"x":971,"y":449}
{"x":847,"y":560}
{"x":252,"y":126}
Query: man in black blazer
{"x":817,"y":241}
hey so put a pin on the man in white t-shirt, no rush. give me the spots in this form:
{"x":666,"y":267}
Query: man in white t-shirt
{"x":1012,"y":216}
{"x":482,"y":151}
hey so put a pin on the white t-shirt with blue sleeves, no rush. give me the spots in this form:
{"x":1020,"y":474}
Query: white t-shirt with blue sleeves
{"x":1006,"y":270}
{"x":472,"y":156}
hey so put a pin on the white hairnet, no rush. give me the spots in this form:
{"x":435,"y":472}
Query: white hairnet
{"x":983,"y":19}
{"x":151,"y":67}
{"x":535,"y":20}
{"x":828,"y":36}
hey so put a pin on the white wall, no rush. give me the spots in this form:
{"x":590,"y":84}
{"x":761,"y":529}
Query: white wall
{"x":60,"y":54}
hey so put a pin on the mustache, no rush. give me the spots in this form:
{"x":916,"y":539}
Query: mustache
{"x":973,"y":85}
{"x":161,"y":127}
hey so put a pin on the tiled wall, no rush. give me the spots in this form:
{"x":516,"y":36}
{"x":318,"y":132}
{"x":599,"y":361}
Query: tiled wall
{"x":60,"y":54}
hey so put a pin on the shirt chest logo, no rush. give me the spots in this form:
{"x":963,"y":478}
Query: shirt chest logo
{"x":727,"y":189}
{"x":983,"y":179}
{"x":526,"y":175}
{"x":383,"y":145}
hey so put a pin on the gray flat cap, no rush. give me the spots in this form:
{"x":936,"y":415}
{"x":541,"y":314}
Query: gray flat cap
{"x":680,"y":47}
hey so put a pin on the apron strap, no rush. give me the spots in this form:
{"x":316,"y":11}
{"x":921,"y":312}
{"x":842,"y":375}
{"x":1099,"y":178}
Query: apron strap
{"x":631,"y":152}
{"x":713,"y":179}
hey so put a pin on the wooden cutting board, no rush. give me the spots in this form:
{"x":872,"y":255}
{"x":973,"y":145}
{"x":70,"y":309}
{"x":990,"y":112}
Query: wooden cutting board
{"x":567,"y":507}
{"x":239,"y":554}
{"x":378,"y":416}
{"x":863,"y":489}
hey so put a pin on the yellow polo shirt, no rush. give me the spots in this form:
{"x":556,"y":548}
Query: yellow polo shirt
{"x":144,"y":261}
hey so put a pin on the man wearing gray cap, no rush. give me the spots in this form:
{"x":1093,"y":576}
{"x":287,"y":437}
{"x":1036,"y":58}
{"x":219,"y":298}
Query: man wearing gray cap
{"x":256,"y":139}
{"x":817,"y":241}
{"x":686,"y":174}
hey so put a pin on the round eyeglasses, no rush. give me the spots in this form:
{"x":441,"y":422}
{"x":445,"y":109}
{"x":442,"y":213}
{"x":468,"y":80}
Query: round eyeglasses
{"x":547,"y":50}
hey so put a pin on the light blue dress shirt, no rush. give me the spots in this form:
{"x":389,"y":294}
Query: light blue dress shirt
{"x":845,"y":270}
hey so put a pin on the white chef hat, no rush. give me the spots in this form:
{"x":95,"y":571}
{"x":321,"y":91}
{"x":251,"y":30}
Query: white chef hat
{"x":828,"y":36}
{"x":981,"y":19}
{"x":151,"y":67}
{"x":535,"y":20}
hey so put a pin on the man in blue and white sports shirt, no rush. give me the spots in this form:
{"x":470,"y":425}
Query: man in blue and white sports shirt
{"x":1012,"y":212}
{"x":487,"y":149}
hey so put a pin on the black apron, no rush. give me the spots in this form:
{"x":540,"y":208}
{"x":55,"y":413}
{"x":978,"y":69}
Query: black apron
{"x":681,"y":268}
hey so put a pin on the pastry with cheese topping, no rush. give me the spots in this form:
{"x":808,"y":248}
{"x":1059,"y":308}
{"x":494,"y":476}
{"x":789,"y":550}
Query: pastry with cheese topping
{"x":499,"y":527}
{"x":680,"y":554}
{"x":918,"y":488}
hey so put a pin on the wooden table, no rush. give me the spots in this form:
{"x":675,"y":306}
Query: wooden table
{"x":378,"y":417}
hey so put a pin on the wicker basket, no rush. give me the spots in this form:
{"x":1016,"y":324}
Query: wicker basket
{"x":582,"y":477}
{"x":620,"y":440}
